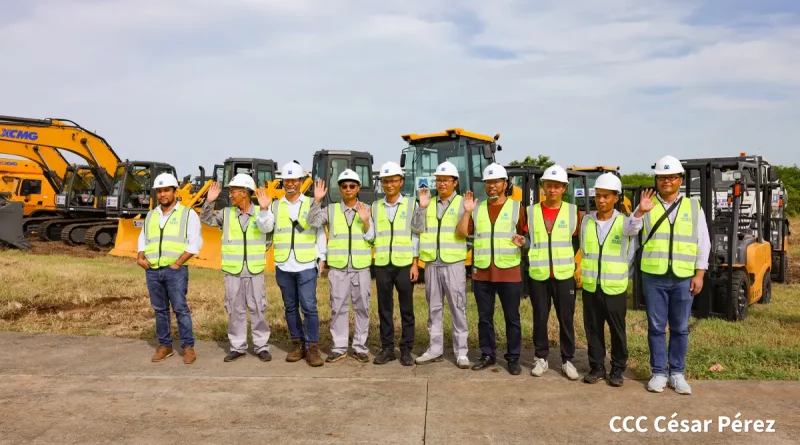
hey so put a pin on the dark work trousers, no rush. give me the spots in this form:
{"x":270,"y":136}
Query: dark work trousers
{"x":387,"y":278}
{"x":562,"y":293}
{"x":599,"y":308}
{"x":509,"y":293}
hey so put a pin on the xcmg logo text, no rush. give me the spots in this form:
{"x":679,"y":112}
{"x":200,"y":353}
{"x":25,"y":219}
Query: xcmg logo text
{"x":18,"y":134}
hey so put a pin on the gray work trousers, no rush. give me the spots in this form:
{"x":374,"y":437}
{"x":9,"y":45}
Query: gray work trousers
{"x":450,"y":280}
{"x":347,"y":286}
{"x":243,"y":294}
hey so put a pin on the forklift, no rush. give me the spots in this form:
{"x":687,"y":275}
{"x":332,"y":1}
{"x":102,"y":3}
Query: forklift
{"x":734,"y":194}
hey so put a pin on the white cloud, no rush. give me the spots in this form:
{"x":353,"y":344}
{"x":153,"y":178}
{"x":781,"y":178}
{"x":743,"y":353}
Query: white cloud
{"x":194,"y":81}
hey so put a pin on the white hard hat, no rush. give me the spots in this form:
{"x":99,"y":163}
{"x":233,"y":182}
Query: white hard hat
{"x":446,"y":168}
{"x":243,"y":180}
{"x":390,"y":169}
{"x":668,"y":165}
{"x":556,"y":173}
{"x":349,"y":175}
{"x":165,"y":180}
{"x":608,"y":181}
{"x":494,"y":171}
{"x":292,"y":170}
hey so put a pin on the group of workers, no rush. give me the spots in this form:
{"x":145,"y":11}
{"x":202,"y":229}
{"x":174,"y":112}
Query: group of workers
{"x":399,"y":231}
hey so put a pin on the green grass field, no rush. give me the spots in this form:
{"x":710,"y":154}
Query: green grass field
{"x":57,"y":293}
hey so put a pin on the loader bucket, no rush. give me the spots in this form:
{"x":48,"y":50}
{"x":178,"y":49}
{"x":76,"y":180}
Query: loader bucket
{"x":11,"y":224}
{"x":127,"y":242}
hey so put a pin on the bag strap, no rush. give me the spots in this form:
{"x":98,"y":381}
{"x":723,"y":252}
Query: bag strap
{"x":661,"y":220}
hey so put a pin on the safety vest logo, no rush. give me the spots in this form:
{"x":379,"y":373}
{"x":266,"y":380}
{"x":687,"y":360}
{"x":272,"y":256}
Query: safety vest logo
{"x":451,"y":211}
{"x":685,"y":217}
{"x":174,"y":220}
{"x":505,"y":216}
{"x":562,"y":224}
{"x":616,"y":240}
{"x":403,"y":214}
{"x":254,"y":225}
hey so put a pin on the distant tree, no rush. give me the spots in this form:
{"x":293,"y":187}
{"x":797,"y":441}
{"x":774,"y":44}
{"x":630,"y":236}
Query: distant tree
{"x":541,"y":161}
{"x":637,"y":180}
{"x":791,"y":178}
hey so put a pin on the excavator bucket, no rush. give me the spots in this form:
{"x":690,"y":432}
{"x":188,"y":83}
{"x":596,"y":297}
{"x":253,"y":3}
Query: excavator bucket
{"x":11,"y":224}
{"x":127,"y":241}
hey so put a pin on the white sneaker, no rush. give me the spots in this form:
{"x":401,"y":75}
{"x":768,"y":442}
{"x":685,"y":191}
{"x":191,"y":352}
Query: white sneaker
{"x":678,"y":381}
{"x":427,"y":357}
{"x":657,"y":383}
{"x":539,"y":367}
{"x":569,"y":370}
{"x":463,"y":362}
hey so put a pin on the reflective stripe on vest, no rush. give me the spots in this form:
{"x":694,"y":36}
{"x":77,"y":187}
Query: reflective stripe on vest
{"x":439,"y":239}
{"x":393,"y":246}
{"x":346,"y":241}
{"x":554,"y":248}
{"x":673,"y":244}
{"x":164,"y":246}
{"x":238,"y":246}
{"x":609,"y":260}
{"x":299,"y":237}
{"x":493,"y":242}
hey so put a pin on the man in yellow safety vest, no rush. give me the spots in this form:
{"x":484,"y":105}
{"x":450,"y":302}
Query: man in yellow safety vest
{"x":499,"y":225}
{"x":553,"y":225}
{"x":673,"y":262}
{"x":443,"y":246}
{"x":169,"y":238}
{"x":350,"y":235}
{"x":244,"y":247}
{"x":606,"y":251}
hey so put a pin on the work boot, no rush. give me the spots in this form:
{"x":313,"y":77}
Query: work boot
{"x":616,"y":377}
{"x":405,"y":358}
{"x":298,"y":351}
{"x":513,"y":366}
{"x":188,"y":355}
{"x":385,"y":356}
{"x":362,"y":357}
{"x":162,"y":353}
{"x":312,"y":356}
{"x":596,"y":374}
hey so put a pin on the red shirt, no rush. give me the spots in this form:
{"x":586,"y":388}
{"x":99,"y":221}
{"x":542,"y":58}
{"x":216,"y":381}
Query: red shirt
{"x":493,"y":273}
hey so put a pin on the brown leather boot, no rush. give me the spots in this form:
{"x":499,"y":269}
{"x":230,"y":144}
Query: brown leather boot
{"x":162,"y":353}
{"x":188,"y":355}
{"x":312,"y":356}
{"x":298,"y":351}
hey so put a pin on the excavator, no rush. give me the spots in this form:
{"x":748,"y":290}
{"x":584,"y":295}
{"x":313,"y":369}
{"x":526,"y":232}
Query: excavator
{"x":82,"y":197}
{"x":25,"y":182}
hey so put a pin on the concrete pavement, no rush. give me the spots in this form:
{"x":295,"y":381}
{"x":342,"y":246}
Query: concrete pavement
{"x":65,"y":389}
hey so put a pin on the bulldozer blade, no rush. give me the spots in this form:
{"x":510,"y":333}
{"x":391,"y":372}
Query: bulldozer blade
{"x":11,"y":225}
{"x":209,"y":257}
{"x":127,"y":242}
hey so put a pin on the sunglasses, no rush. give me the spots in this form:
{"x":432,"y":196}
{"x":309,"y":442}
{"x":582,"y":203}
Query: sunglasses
{"x":349,"y":186}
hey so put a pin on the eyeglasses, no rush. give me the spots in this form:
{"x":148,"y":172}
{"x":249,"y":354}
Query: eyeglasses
{"x":390,"y":181}
{"x":348,"y":186}
{"x":670,"y":178}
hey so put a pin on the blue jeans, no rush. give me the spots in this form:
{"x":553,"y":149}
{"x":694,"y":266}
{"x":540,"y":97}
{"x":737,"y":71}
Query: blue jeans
{"x":168,"y":288}
{"x":668,"y":300}
{"x":300,"y":288}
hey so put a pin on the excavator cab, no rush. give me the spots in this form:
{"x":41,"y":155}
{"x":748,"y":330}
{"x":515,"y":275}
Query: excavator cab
{"x":469,"y":152}
{"x":329,"y":164}
{"x":132,"y":193}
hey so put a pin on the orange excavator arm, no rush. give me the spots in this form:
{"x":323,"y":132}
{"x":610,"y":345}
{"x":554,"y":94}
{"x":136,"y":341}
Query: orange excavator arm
{"x":50,"y":160}
{"x":62,"y":134}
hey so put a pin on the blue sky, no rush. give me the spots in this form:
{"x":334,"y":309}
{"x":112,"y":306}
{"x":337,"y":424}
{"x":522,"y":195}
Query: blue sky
{"x":618,"y":82}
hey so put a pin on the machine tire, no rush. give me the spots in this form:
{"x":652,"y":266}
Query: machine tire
{"x":783,"y":268}
{"x":740,"y":287}
{"x":766,"y":289}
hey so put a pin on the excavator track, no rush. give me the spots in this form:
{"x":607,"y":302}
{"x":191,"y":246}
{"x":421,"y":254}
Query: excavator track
{"x":51,"y":230}
{"x":31,"y":225}
{"x":74,"y":234}
{"x":101,"y":237}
